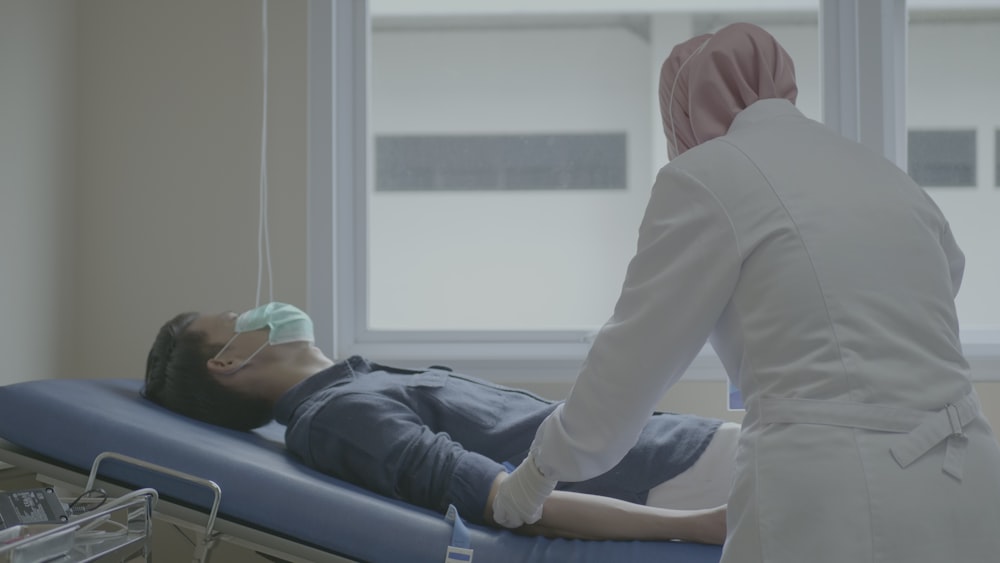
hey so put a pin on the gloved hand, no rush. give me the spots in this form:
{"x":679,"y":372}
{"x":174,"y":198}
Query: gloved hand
{"x":520,"y":496}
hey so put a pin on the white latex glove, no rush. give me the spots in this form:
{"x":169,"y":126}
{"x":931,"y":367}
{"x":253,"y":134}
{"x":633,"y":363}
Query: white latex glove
{"x":520,"y":496}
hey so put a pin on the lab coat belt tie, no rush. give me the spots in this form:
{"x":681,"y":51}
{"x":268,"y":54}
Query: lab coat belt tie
{"x":923,"y":429}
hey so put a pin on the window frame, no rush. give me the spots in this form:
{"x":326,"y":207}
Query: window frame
{"x":863,"y":99}
{"x":996,"y":157}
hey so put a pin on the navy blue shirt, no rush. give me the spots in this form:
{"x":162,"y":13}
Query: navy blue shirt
{"x":433,"y":438}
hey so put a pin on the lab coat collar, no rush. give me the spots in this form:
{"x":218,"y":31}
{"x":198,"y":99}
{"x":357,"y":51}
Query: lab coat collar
{"x":764,"y":109}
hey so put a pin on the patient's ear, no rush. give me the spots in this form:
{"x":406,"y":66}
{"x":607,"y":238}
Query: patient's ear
{"x":230,"y":372}
{"x":220,"y":369}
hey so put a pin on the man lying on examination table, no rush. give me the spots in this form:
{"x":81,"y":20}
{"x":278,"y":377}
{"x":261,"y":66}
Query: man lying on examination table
{"x":431,"y":437}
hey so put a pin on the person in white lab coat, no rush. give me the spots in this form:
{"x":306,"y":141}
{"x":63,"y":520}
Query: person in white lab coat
{"x":825,"y":279}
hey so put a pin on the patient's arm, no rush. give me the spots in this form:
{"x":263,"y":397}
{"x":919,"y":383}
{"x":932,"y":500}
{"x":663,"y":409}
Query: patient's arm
{"x":577,"y":515}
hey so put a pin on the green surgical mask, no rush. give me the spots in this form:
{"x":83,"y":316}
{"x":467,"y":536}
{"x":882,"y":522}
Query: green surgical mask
{"x":286,"y":323}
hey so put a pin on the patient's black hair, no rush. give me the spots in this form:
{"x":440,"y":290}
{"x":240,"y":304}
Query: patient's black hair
{"x":177,"y":377}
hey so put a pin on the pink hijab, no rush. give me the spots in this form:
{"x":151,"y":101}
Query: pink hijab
{"x":713,"y":77}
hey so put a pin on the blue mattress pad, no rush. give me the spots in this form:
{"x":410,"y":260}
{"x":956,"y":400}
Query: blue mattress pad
{"x":72,"y":421}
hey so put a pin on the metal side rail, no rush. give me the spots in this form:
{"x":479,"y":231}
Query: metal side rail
{"x":204,"y":547}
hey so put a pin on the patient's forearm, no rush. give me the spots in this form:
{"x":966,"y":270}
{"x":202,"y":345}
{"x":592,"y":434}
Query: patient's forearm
{"x":594,"y":517}
{"x":576,"y":515}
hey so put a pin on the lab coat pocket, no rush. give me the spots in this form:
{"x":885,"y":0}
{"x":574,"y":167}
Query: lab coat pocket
{"x":811,"y":495}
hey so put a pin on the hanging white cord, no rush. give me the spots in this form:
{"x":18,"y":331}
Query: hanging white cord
{"x":263,"y":237}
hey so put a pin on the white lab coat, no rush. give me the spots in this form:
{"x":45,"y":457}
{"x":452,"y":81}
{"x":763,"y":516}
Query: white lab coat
{"x":825,"y":279}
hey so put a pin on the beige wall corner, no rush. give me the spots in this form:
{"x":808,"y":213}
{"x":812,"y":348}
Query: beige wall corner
{"x":169,"y":141}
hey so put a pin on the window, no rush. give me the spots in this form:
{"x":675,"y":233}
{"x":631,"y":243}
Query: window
{"x":949,"y":102}
{"x":942,"y":158}
{"x":532,"y":87}
{"x":513,"y":158}
{"x":500,"y":162}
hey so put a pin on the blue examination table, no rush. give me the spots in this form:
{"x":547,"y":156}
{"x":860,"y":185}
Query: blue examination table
{"x":269,"y":500}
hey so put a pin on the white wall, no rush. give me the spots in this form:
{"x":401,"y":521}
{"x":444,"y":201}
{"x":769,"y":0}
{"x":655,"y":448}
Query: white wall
{"x":170,"y":104}
{"x":37,"y":192}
